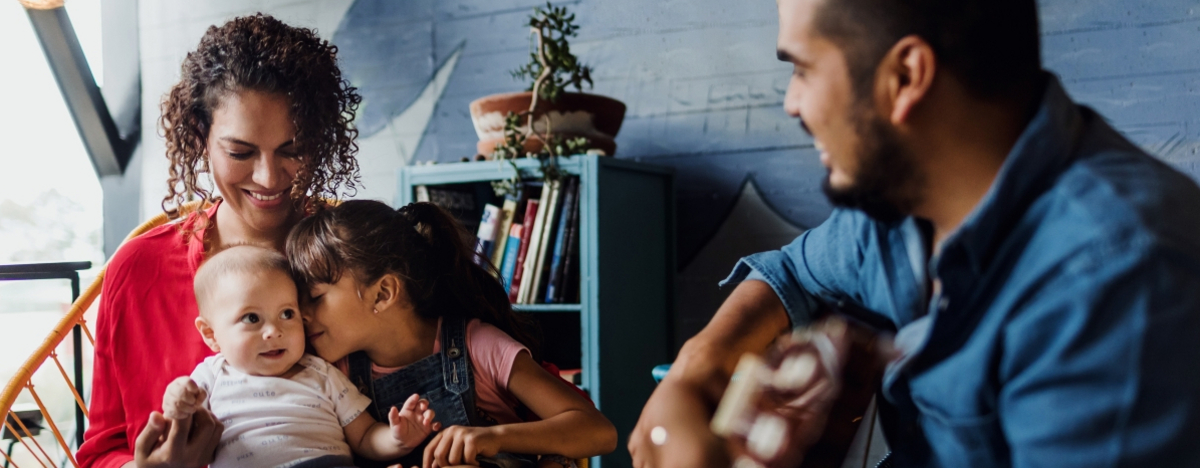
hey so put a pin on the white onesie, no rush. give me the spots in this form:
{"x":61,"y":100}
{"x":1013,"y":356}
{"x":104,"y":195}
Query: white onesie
{"x":273,"y":421}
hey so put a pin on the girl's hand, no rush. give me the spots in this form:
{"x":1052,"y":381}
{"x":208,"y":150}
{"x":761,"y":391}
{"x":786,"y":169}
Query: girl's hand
{"x":182,"y":398}
{"x":460,"y":445}
{"x":412,"y":423}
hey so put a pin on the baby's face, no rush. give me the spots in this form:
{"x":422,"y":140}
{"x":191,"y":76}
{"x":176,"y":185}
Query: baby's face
{"x":255,"y":322}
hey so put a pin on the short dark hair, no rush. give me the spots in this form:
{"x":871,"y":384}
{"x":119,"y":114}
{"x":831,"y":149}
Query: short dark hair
{"x":243,"y":259}
{"x":993,"y":46}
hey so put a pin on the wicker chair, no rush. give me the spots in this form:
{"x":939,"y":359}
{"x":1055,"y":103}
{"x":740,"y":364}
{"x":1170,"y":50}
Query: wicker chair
{"x":22,"y":381}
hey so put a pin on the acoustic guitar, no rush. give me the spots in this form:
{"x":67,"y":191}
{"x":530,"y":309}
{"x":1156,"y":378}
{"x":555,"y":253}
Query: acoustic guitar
{"x":802,"y":404}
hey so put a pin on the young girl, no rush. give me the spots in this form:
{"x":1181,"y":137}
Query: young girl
{"x":398,"y":302}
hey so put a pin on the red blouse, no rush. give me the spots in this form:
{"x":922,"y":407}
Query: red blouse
{"x":145,"y":337}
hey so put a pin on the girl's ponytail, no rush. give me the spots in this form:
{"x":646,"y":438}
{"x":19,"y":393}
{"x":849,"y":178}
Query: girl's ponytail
{"x":465,"y":282}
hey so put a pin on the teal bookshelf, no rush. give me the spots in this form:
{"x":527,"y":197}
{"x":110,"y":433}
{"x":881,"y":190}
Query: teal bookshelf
{"x":627,"y":276}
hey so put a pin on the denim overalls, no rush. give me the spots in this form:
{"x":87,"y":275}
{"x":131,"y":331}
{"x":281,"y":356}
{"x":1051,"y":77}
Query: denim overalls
{"x":444,"y":379}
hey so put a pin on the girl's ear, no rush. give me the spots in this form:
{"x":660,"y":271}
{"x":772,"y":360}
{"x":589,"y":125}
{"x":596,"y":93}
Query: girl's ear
{"x":206,"y":332}
{"x":390,"y":292}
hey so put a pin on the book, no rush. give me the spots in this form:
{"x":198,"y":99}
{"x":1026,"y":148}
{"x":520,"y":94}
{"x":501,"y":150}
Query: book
{"x":537,"y":289}
{"x":570,"y":279}
{"x":486,"y":236}
{"x":559,"y":252}
{"x":531,"y":209}
{"x":506,"y":221}
{"x":526,"y":191}
{"x":529,"y":278}
{"x":513,"y":246}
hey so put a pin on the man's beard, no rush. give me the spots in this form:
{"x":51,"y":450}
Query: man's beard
{"x":887,"y":184}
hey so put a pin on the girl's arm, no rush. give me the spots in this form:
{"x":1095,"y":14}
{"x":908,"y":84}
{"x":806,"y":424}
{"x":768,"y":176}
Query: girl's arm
{"x":571,"y":426}
{"x":408,"y":427}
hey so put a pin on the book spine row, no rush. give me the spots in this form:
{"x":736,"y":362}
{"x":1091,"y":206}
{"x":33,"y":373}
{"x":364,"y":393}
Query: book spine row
{"x":534,"y":258}
{"x":530,"y":242}
{"x":531,"y":209}
{"x":505,"y":225}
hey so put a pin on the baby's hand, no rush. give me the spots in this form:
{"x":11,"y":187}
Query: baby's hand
{"x":183,"y":397}
{"x":412,"y":423}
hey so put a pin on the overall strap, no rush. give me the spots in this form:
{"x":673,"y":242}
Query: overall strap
{"x":456,"y":366}
{"x":360,"y":373}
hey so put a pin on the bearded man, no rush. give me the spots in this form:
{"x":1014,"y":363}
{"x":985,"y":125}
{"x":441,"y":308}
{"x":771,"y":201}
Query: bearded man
{"x":1042,"y":271}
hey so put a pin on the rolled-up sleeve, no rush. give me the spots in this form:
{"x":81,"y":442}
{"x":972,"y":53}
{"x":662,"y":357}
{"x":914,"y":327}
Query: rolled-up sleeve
{"x":822,"y":263}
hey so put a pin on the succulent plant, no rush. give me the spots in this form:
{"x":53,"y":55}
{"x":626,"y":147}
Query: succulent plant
{"x":552,"y":68}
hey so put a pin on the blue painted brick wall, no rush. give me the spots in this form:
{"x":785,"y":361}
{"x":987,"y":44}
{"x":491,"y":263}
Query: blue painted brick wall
{"x":705,"y":91}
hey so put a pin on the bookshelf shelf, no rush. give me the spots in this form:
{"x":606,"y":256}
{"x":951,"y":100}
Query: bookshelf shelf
{"x":621,"y":327}
{"x":547,"y":307}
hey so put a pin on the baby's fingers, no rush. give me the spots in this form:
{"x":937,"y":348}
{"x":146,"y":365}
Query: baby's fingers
{"x":185,"y":390}
{"x":192,"y":390}
{"x":411,"y":404}
{"x":427,"y":420}
{"x":178,"y":410}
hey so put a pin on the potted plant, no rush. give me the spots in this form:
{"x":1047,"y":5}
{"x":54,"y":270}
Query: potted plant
{"x":546,"y":121}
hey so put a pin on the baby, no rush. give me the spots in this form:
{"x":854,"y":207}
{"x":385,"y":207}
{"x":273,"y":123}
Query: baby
{"x":280,"y":407}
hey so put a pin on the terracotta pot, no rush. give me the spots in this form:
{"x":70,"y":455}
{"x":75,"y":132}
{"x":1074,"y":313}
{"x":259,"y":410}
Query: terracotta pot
{"x":597,"y":118}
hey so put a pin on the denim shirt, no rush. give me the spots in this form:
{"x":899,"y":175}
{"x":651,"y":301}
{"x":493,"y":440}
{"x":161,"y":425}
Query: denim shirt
{"x":1067,"y":328}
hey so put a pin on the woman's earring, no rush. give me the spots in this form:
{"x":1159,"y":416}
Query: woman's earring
{"x":375,"y":310}
{"x":212,"y":185}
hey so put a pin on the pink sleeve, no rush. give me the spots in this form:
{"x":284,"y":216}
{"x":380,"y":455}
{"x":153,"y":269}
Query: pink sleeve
{"x":493,"y":353}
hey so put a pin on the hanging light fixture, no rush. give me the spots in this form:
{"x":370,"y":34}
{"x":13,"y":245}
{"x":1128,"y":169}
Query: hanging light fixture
{"x":41,"y":4}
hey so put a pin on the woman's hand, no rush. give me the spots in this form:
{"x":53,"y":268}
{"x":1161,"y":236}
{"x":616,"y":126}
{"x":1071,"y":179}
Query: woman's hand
{"x":190,"y":442}
{"x":460,"y":445}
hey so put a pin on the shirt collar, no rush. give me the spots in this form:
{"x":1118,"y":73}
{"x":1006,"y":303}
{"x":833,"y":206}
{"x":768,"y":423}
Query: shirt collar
{"x":195,"y":245}
{"x":1043,"y":151}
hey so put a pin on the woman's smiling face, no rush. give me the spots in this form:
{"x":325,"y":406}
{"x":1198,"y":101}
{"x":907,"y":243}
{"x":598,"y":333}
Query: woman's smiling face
{"x":251,"y":153}
{"x":337,"y":318}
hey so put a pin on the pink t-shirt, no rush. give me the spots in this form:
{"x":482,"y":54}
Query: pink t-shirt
{"x":492,"y":353}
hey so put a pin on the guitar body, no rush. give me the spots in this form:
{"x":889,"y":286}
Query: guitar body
{"x":803,"y":404}
{"x":861,"y":379}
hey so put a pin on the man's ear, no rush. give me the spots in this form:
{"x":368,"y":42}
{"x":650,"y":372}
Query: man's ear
{"x":389,"y":292}
{"x":905,"y":77}
{"x":206,"y":332}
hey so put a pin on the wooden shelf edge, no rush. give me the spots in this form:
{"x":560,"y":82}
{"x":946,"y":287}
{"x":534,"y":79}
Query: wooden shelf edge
{"x":547,"y":307}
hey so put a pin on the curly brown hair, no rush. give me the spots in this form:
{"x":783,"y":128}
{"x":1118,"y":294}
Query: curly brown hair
{"x":261,"y":53}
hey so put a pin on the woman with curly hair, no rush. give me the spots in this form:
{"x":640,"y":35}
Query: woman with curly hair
{"x":262,"y":115}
